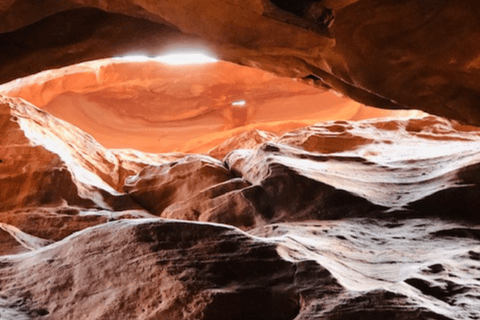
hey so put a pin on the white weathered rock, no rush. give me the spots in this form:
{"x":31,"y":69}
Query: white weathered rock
{"x":404,"y":241}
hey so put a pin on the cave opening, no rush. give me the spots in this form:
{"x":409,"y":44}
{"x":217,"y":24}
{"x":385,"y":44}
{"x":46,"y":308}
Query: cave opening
{"x":184,"y":57}
{"x":166,"y":93}
{"x":183,"y":101}
{"x":199,"y":160}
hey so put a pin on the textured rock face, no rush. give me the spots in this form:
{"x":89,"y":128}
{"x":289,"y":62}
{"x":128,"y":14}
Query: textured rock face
{"x":419,"y":54}
{"x":375,"y":219}
{"x":279,"y":218}
{"x":154,"y":107}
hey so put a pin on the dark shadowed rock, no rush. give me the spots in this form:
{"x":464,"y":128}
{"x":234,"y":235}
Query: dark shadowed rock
{"x":189,"y":271}
{"x":157,"y":187}
{"x":414,"y":54}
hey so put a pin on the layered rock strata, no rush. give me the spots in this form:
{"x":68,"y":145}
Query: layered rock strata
{"x":416,"y":54}
{"x":155,"y":107}
{"x":338,"y":220}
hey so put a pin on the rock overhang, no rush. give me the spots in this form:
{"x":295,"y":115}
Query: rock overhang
{"x":402,"y":193}
{"x":414,"y":54}
{"x":146,"y":104}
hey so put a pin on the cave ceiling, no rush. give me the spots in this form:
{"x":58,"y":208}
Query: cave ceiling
{"x":411,"y":54}
{"x":241,"y":193}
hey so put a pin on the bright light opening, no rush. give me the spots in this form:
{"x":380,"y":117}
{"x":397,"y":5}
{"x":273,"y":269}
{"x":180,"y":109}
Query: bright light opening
{"x":174,"y":59}
{"x":134,"y":58}
{"x":186,"y":58}
{"x":239,"y":103}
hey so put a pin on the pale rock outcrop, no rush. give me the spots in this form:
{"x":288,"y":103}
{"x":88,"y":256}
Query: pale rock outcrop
{"x":369,"y":166}
{"x":154,"y":269}
{"x":247,"y":140}
{"x":340,"y":220}
{"x":156,"y":187}
{"x":48,"y":161}
{"x":376,"y":219}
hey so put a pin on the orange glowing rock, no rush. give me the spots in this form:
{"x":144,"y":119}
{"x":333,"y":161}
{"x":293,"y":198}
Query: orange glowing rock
{"x":155,"y":107}
{"x":259,"y":237}
{"x":283,"y":217}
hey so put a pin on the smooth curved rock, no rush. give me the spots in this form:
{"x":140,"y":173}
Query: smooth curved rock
{"x":156,"y":107}
{"x":373,"y":160}
{"x":376,"y":219}
{"x":201,"y":271}
{"x":413,"y":54}
{"x":349,"y":169}
{"x":248,"y":140}
{"x":341,"y":220}
{"x":157,"y":187}
{"x":59,"y":163}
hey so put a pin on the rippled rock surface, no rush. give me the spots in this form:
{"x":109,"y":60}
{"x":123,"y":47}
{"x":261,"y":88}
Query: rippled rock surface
{"x":410,"y":54}
{"x":375,"y":219}
{"x":155,"y":107}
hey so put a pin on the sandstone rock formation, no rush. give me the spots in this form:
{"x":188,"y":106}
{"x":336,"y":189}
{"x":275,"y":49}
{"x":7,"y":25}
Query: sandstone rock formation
{"x":154,"y":107}
{"x":419,"y":54}
{"x":369,"y":219}
{"x":204,"y":271}
{"x":295,"y":205}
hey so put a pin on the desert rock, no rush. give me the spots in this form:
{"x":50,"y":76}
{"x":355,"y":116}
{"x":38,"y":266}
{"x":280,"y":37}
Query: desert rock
{"x":155,"y":107}
{"x":414,"y":54}
{"x":339,"y":220}
{"x":240,"y":189}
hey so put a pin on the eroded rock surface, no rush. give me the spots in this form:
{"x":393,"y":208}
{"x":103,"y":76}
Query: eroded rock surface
{"x":188,"y":271}
{"x":155,"y":107}
{"x":417,"y":54}
{"x":40,"y":150}
{"x":340,"y":220}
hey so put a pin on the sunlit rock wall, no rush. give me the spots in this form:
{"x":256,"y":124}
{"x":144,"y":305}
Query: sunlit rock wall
{"x":156,"y":107}
{"x":369,"y":219}
{"x":283,"y":207}
{"x":414,"y":54}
